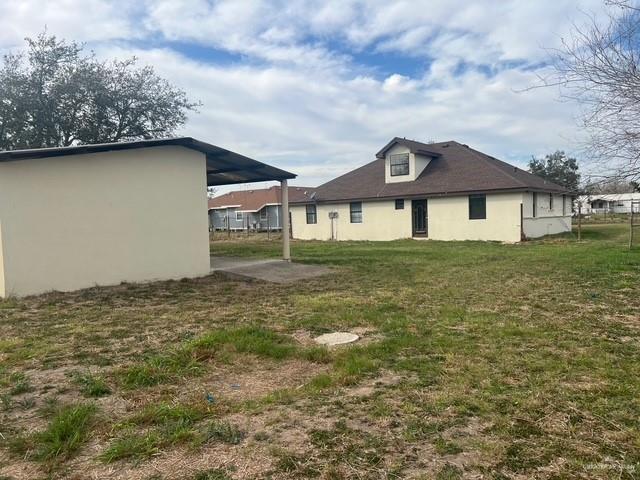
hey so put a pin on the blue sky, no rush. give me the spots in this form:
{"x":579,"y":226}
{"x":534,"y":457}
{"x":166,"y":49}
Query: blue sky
{"x":317,"y":87}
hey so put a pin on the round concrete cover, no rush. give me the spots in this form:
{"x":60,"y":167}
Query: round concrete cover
{"x":336,"y":338}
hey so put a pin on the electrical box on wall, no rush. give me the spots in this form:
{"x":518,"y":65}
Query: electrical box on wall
{"x":333,"y":214}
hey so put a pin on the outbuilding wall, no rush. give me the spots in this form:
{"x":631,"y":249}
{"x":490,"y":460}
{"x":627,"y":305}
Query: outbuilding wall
{"x":100,"y":219}
{"x":2,"y":294}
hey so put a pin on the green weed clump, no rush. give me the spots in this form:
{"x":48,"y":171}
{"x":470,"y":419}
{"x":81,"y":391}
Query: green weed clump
{"x":167,"y":425}
{"x":67,"y":431}
{"x":92,"y":385}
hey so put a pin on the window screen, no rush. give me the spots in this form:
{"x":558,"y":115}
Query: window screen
{"x":312,"y":215}
{"x":477,"y":207}
{"x":355,"y":211}
{"x":399,"y":164}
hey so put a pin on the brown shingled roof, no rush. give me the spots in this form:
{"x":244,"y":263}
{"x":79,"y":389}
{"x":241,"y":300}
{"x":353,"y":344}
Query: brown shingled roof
{"x":454,"y":169}
{"x":254,"y":200}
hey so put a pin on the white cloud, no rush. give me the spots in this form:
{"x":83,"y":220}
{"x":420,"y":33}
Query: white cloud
{"x":80,"y":20}
{"x":296,"y":100}
{"x":397,"y":83}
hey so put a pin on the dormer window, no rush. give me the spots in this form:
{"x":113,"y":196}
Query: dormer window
{"x":399,"y":164}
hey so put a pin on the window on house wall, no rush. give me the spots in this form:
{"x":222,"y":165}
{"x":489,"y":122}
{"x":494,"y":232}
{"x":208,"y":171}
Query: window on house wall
{"x":400,"y":204}
{"x":263,"y":213}
{"x":564,"y":204}
{"x":550,"y":201}
{"x":312,"y":214}
{"x":534,"y":211}
{"x":238,"y":216}
{"x":355,"y":212}
{"x":399,"y":164}
{"x":477,"y":207}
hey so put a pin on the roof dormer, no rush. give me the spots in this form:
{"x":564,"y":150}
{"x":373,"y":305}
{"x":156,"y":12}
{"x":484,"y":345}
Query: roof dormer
{"x":404,"y":160}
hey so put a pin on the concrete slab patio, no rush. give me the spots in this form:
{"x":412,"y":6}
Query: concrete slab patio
{"x":269,"y":270}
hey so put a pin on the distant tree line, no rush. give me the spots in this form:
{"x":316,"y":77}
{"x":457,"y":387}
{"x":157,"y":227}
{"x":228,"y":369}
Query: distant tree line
{"x":558,"y":168}
{"x":561,"y":169}
{"x":53,"y":94}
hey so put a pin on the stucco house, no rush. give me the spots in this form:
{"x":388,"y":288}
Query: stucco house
{"x":610,"y":203}
{"x":255,"y":209}
{"x":441,"y":191}
{"x":115,"y":212}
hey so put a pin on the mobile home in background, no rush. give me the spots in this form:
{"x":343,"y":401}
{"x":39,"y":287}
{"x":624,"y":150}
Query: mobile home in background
{"x":257,"y":209}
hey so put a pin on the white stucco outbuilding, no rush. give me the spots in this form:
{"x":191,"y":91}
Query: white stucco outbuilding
{"x":76,"y":217}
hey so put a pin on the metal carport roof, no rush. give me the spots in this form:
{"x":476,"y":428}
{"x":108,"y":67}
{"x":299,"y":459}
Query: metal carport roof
{"x":224,"y":167}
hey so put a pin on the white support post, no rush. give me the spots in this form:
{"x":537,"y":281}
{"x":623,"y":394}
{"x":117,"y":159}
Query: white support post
{"x":286,"y":252}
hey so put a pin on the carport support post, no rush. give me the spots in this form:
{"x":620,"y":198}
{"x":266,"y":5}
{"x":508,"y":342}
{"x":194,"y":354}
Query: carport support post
{"x":286,"y":252}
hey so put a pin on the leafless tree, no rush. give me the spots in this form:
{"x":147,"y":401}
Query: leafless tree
{"x":599,"y":66}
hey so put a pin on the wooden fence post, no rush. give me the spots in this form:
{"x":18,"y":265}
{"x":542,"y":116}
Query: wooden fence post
{"x":579,"y":220}
{"x":631,"y":227}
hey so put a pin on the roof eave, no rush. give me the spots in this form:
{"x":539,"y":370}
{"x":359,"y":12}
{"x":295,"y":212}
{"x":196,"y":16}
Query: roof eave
{"x":396,"y":140}
{"x":432,"y":195}
{"x":224,"y":167}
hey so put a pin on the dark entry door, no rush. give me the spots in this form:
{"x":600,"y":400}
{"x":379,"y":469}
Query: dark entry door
{"x":420,"y":218}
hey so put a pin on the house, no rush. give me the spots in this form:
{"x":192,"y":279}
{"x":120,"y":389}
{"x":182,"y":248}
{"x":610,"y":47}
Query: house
{"x":259,"y":209}
{"x":441,"y":191}
{"x":118,"y":212}
{"x":610,"y":203}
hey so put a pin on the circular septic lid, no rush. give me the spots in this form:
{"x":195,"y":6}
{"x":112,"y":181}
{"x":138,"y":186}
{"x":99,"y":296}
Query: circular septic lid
{"x":336,"y":338}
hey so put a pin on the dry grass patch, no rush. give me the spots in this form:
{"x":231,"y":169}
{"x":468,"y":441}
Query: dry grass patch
{"x":477,"y":361}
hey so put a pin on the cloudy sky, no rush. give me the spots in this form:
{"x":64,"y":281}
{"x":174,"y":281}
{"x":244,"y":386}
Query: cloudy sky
{"x":317,"y":87}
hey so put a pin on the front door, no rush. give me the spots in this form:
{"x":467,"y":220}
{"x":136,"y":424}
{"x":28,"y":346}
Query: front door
{"x":420,"y":218}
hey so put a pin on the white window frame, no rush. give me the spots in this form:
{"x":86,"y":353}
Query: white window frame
{"x":239,"y":216}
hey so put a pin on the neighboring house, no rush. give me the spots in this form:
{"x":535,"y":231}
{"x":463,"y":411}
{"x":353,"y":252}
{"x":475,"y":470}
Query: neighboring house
{"x":609,"y":203}
{"x":442,"y":191}
{"x":258,"y":209}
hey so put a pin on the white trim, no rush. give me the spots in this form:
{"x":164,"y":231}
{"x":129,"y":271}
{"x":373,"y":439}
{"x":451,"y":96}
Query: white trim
{"x":258,"y":209}
{"x":224,"y":207}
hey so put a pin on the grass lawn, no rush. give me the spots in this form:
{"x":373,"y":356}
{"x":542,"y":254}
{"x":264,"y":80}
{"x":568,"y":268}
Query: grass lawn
{"x":477,"y":360}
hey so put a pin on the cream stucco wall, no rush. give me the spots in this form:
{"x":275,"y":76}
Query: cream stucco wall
{"x":2,"y":294}
{"x":100,"y":219}
{"x":547,"y":221}
{"x":448,"y":219}
{"x":380,"y":221}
